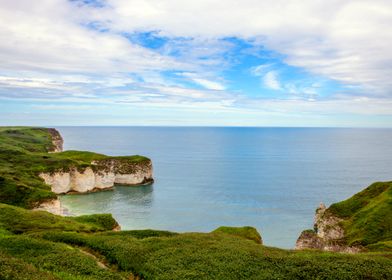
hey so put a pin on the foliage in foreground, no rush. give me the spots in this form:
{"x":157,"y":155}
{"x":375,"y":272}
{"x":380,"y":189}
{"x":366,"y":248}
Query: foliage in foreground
{"x":54,"y":247}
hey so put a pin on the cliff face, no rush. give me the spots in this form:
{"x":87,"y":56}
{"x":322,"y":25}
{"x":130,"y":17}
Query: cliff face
{"x":52,"y":206}
{"x":57,"y":141}
{"x":328,"y":234}
{"x":359,"y":223}
{"x":103,"y":174}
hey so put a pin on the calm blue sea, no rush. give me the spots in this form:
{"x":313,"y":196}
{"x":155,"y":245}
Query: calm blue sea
{"x":269,"y":178}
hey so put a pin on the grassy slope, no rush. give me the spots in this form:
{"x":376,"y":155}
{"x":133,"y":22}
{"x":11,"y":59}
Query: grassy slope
{"x":23,"y":155}
{"x":53,"y":246}
{"x":39,"y":245}
{"x":18,"y":220}
{"x":368,"y":216}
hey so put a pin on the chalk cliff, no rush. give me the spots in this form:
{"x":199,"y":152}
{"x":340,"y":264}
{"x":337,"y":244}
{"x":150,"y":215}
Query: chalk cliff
{"x":57,"y":141}
{"x":327,"y":235}
{"x":52,"y":206}
{"x":102,"y":174}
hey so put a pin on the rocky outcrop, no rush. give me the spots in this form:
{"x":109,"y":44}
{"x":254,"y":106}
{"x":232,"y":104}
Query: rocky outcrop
{"x":327,"y":235}
{"x":57,"y":141}
{"x":52,"y":206}
{"x":327,"y":225}
{"x":102,"y":174}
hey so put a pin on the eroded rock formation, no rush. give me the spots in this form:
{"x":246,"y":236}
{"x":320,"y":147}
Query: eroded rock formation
{"x":102,"y":174}
{"x":57,"y":141}
{"x":52,"y":206}
{"x":327,"y":235}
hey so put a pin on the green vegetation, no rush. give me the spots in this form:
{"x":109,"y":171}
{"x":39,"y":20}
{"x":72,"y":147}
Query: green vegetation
{"x":368,"y":216}
{"x":17,"y":220}
{"x":25,"y":139}
{"x":39,"y":245}
{"x":58,"y":251}
{"x":24,"y":154}
{"x":243,"y":232}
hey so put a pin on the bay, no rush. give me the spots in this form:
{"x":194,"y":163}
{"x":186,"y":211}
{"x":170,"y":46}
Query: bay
{"x":269,"y":178}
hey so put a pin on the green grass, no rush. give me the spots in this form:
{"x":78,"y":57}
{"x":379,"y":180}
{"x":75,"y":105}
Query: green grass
{"x":244,"y":232}
{"x":23,"y":139}
{"x":222,"y":256}
{"x":58,"y":260}
{"x":367,"y":215}
{"x":16,"y":269}
{"x":52,"y":247}
{"x":24,"y":154}
{"x":17,"y":220}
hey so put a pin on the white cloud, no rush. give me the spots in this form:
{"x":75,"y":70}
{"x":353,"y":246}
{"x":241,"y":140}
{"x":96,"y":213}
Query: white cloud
{"x":344,"y":40}
{"x":48,"y":40}
{"x":348,"y":41}
{"x":209,"y":84}
{"x":204,"y":82}
{"x":271,"y":81}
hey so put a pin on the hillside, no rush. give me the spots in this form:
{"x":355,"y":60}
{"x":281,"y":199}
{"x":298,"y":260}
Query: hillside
{"x":360,"y":223}
{"x":53,"y":247}
{"x":367,"y":216}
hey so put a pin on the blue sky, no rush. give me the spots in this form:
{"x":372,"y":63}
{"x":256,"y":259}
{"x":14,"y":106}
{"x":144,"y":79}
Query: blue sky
{"x":204,"y":63}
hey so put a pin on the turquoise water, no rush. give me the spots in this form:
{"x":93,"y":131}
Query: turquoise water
{"x":269,"y":178}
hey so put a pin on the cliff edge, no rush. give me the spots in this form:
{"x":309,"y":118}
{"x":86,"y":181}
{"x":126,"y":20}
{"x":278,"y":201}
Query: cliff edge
{"x":100,"y":175}
{"x":360,"y":223}
{"x":57,"y":141}
{"x":328,"y":234}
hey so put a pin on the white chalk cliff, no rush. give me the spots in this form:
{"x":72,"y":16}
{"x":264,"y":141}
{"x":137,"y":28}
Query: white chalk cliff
{"x":103,"y":174}
{"x":328,"y":234}
{"x":100,"y":175}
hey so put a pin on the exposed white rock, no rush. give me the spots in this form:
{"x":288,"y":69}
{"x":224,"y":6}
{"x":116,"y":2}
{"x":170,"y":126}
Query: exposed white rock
{"x":327,"y":226}
{"x":57,"y":141}
{"x":327,"y":234}
{"x":108,"y":173}
{"x":59,"y":181}
{"x":105,"y":180}
{"x":53,"y":206}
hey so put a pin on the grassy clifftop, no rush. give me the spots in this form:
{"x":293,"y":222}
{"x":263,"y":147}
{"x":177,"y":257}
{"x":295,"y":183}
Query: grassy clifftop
{"x":367,"y":216}
{"x":25,"y":139}
{"x":24,"y":154}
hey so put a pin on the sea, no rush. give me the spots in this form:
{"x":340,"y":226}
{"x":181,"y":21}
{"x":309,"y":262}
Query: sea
{"x":272,"y":179}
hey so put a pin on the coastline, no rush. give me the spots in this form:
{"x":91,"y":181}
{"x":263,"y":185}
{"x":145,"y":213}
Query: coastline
{"x":53,"y":245}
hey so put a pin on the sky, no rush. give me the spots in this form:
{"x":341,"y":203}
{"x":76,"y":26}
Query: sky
{"x":196,"y":63}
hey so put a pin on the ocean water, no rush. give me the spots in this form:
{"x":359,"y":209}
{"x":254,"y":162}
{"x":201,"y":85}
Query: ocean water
{"x":269,"y":178}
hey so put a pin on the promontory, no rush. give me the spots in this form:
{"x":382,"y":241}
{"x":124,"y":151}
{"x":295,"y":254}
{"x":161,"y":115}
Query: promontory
{"x":34,"y":168}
